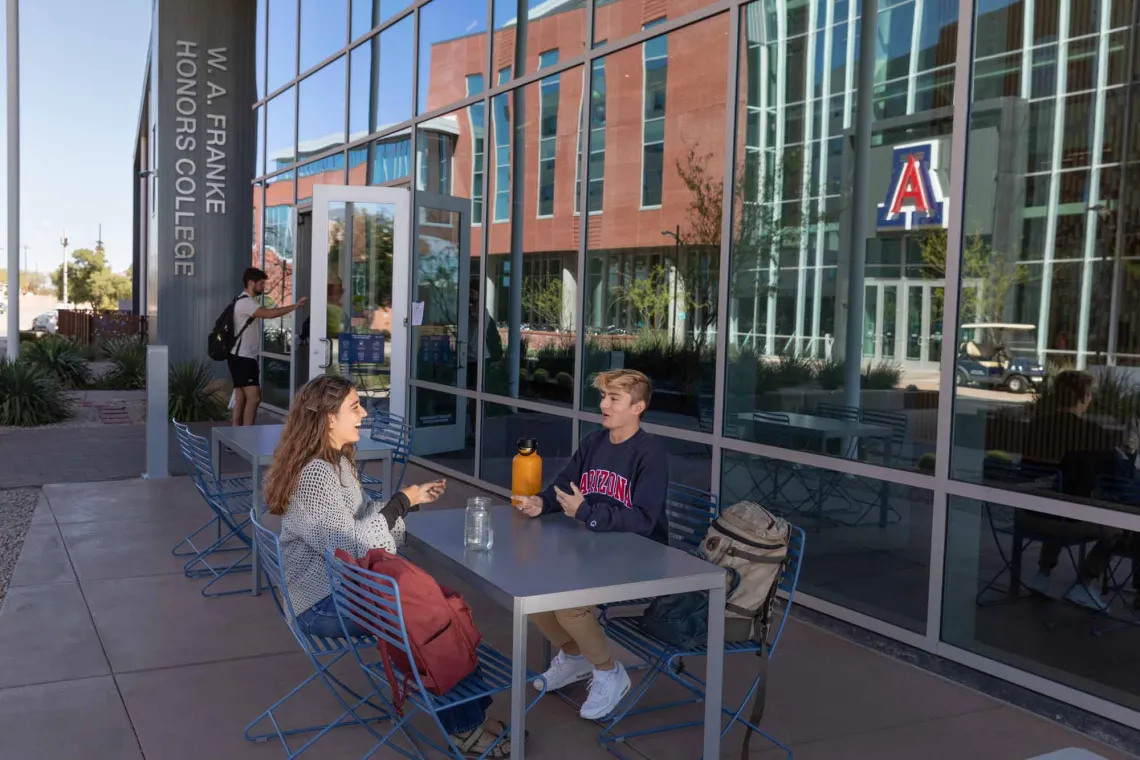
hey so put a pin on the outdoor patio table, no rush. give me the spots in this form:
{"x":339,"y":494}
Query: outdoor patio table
{"x":256,"y":445}
{"x":824,"y":429}
{"x":553,"y":563}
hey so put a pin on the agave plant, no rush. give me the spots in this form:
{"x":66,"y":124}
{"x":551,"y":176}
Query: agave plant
{"x":60,"y":356}
{"x":128,"y":364}
{"x":191,"y":397}
{"x":29,"y":396}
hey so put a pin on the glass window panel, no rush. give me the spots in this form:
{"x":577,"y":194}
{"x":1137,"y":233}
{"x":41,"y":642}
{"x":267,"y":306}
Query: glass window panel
{"x":320,"y":125}
{"x":325,"y":171}
{"x":279,"y":257}
{"x":394,"y":76}
{"x":367,"y":14}
{"x":360,"y":105}
{"x":275,"y":382}
{"x":260,"y":159}
{"x":1040,"y":406}
{"x":453,"y":40}
{"x":787,"y":378}
{"x":869,"y":540}
{"x":553,"y":26}
{"x":282,"y":64}
{"x":323,"y":27}
{"x":651,"y":288}
{"x":503,"y":426}
{"x":988,"y":608}
{"x":280,"y":131}
{"x":530,"y":288}
{"x":444,"y":428}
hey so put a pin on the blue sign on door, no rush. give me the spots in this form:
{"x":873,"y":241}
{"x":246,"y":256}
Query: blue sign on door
{"x":360,"y":349}
{"x":435,"y":349}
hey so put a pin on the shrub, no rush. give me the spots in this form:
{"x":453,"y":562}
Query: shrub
{"x":61,"y":357}
{"x":30,"y":396}
{"x":564,"y":379}
{"x":829,"y":374}
{"x":128,"y":364}
{"x":194,"y":396}
{"x":883,"y":376}
{"x":540,"y":376}
{"x":793,"y":370}
{"x":926,"y":462}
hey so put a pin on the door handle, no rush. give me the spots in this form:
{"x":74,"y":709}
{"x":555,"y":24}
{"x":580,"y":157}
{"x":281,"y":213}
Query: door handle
{"x":328,"y":352}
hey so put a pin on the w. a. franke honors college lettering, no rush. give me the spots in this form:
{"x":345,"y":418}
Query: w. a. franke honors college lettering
{"x":191,"y":121}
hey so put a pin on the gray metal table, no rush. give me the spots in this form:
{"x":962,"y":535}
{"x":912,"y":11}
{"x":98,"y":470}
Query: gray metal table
{"x":826,"y":429}
{"x":553,"y":563}
{"x":256,"y":444}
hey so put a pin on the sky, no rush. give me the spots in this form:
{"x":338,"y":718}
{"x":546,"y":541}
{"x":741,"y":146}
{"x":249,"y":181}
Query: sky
{"x":81,"y":79}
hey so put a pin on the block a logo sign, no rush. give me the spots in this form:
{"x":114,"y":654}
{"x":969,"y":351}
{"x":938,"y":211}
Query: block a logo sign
{"x":914,"y":195}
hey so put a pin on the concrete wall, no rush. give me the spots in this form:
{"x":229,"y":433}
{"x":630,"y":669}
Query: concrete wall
{"x":203,"y":60}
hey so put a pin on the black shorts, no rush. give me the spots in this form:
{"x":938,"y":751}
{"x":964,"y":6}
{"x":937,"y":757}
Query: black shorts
{"x":245,"y":372}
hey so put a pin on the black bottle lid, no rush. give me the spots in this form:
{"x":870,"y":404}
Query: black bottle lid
{"x":527,"y":446}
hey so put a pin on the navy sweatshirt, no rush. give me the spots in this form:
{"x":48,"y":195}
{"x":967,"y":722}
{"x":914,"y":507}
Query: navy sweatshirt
{"x":624,"y":485}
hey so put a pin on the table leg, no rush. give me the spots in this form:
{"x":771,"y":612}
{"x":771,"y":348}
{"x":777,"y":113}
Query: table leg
{"x":216,"y":455}
{"x":885,"y":488}
{"x":518,"y":683}
{"x":714,"y":677}
{"x":255,"y":501}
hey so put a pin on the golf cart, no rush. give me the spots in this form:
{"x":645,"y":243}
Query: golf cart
{"x":999,"y":356}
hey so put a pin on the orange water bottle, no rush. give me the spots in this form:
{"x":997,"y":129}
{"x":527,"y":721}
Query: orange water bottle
{"x":526,"y":469}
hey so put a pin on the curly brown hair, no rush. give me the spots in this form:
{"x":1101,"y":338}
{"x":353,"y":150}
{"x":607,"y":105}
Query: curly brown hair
{"x":306,"y":437}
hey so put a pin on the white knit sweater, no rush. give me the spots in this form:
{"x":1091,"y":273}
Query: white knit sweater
{"x":327,"y":512}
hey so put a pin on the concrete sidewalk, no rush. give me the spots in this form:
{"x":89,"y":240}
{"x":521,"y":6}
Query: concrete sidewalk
{"x":107,"y":652}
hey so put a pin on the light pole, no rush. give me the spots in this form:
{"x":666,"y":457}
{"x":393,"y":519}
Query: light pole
{"x":63,"y":242}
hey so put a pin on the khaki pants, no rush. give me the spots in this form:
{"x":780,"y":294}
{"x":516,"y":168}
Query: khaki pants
{"x":578,"y":625}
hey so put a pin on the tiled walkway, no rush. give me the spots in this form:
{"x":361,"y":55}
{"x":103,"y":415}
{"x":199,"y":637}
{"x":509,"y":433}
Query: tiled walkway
{"x":108,"y":653}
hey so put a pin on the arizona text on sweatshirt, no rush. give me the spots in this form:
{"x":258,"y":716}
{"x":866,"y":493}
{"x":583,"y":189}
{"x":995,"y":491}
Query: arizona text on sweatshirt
{"x":624,"y":485}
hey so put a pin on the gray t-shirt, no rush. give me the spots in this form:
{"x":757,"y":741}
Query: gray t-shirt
{"x":247,"y":344}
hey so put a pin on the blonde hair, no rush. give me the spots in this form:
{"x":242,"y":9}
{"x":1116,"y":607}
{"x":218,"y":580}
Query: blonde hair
{"x":635,"y":383}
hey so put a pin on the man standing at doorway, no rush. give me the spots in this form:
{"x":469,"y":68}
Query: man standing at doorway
{"x":245,"y":369}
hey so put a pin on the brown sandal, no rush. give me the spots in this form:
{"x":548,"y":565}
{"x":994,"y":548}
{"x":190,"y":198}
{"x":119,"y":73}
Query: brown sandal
{"x":476,"y":742}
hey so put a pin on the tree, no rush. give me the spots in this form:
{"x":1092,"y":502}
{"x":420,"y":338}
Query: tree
{"x":988,"y":276}
{"x":91,"y":281}
{"x":543,"y":300}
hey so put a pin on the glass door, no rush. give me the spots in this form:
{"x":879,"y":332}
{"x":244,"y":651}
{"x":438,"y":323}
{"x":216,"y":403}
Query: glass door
{"x":358,"y":317}
{"x":445,"y":321}
{"x":923,"y":319}
{"x":880,"y":319}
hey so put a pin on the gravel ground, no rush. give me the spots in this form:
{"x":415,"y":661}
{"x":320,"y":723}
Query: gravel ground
{"x":86,"y":415}
{"x":16,"y":508}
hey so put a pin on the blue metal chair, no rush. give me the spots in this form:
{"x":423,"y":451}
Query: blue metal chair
{"x":373,"y":601}
{"x":199,"y":466}
{"x":690,"y":512}
{"x":230,"y":505}
{"x":666,"y":660}
{"x":322,"y":653}
{"x":393,"y":430}
{"x":890,"y":448}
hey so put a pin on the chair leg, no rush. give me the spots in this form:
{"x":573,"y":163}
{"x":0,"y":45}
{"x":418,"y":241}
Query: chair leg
{"x":348,"y":717}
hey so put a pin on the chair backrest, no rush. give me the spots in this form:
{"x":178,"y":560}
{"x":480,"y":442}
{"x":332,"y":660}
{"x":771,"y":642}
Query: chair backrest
{"x":896,"y":421}
{"x":690,"y":510}
{"x":790,"y":578}
{"x":373,"y":601}
{"x":1118,"y":489}
{"x":394,"y":431}
{"x":269,"y":553}
{"x":195,"y":452}
{"x":838,"y":412}
{"x":776,"y":417}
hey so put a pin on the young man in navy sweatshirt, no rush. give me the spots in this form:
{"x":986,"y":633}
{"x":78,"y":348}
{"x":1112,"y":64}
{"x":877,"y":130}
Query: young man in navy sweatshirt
{"x":616,"y":481}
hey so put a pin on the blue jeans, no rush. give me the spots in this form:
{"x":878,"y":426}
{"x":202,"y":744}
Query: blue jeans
{"x":321,"y":620}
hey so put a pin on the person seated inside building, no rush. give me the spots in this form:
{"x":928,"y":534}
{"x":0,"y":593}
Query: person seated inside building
{"x":1062,"y":436}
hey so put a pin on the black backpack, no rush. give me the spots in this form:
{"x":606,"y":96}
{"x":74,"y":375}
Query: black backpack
{"x":221,"y":341}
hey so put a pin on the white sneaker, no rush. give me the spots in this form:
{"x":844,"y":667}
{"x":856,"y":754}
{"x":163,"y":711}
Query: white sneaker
{"x":607,"y":689}
{"x":564,"y":670}
{"x":1039,"y":583}
{"x":1086,"y":596}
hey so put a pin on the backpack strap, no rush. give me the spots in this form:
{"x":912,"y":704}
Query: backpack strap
{"x":763,"y":617}
{"x":237,"y":338}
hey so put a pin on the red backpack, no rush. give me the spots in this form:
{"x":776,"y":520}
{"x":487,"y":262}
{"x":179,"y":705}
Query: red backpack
{"x":441,"y":631}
